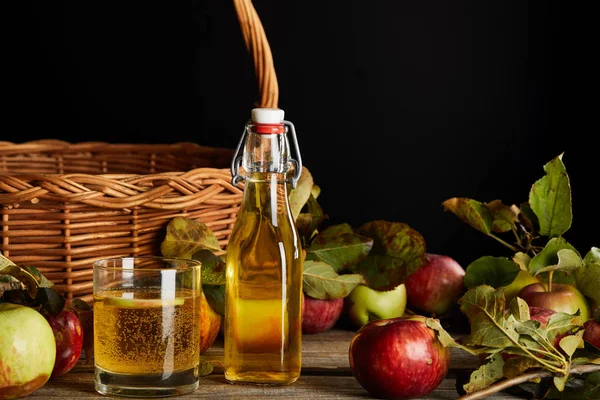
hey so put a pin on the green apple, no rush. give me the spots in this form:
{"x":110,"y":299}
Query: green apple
{"x":364,"y":304}
{"x":561,"y":297}
{"x":28,"y":351}
{"x":523,"y":278}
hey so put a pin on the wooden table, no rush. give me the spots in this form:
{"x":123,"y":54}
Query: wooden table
{"x":326,"y":374}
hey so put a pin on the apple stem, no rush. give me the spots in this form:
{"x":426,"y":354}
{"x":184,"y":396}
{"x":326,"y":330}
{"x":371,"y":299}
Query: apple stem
{"x":510,"y":246}
{"x":550,"y":273}
{"x":505,"y":384}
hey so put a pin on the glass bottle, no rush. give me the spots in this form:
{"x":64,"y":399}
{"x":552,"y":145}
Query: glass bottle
{"x":263,"y":301}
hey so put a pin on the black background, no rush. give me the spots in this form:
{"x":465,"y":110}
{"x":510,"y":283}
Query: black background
{"x":398,"y":105}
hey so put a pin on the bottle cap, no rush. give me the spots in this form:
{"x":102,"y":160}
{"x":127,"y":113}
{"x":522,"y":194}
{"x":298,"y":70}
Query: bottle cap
{"x":267,"y":115}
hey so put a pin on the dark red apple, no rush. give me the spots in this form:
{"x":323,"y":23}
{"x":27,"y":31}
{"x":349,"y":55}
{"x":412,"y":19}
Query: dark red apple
{"x":398,"y":358}
{"x":542,"y":315}
{"x":320,"y":315}
{"x":592,"y":333}
{"x":68,"y":335}
{"x":437,"y":285}
{"x":562,"y":298}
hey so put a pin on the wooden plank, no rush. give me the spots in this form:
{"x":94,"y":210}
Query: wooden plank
{"x":326,"y":374}
{"x":329,"y":350}
{"x":80,"y":385}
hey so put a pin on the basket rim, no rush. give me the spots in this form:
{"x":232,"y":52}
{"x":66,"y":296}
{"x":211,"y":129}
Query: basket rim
{"x":64,"y":147}
{"x":186,"y":188}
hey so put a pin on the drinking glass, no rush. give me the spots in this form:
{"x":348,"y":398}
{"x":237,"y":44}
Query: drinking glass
{"x":146,"y":326}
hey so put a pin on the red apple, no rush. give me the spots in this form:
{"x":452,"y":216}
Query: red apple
{"x":437,"y":285}
{"x":320,"y":315}
{"x":68,"y":334}
{"x":542,"y":315}
{"x":210,"y":323}
{"x":398,"y":358}
{"x":592,"y":333}
{"x":562,"y":298}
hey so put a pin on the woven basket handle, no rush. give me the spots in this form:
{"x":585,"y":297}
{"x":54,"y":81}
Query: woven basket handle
{"x":258,"y":47}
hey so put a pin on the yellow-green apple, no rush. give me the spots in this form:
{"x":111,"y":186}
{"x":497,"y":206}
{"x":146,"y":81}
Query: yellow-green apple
{"x":437,"y":285}
{"x":523,"y":278}
{"x":398,"y":358}
{"x":364,"y":304}
{"x":68,"y":335}
{"x":27,"y":351}
{"x":210,"y":322}
{"x":320,"y":315}
{"x":562,"y":298}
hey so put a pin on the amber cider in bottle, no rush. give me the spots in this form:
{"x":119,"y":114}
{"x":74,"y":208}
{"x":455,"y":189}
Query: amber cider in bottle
{"x":263,"y":302}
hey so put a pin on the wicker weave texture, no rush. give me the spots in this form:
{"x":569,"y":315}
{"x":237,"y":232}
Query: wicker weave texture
{"x":66,"y":205}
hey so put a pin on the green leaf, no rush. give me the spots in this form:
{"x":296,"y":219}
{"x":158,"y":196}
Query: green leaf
{"x":335,"y":230}
{"x":339,"y":251}
{"x":559,"y":382}
{"x":593,"y":256}
{"x":316,"y":191}
{"x":571,"y":343}
{"x":568,"y":261}
{"x":51,"y":300}
{"x":186,"y":236}
{"x":549,"y":254}
{"x":588,"y":276}
{"x":215,"y":297}
{"x":472,"y":212}
{"x":519,"y":309}
{"x":81,"y":305}
{"x":213,"y":267}
{"x":41,"y":279}
{"x":398,"y":251}
{"x":322,"y":282}
{"x":515,"y":366}
{"x":550,"y":199}
{"x":503,"y":216}
{"x":7,"y":267}
{"x":484,"y":307}
{"x":448,"y":341}
{"x":522,"y":260}
{"x":560,"y":324}
{"x":308,"y":223}
{"x":528,"y":218}
{"x":489,"y":372}
{"x":557,"y":277}
{"x":299,"y":195}
{"x":588,"y":280}
{"x":492,"y":271}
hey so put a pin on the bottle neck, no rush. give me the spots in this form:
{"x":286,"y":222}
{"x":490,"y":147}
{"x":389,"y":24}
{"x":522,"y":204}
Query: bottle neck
{"x":266,"y":150}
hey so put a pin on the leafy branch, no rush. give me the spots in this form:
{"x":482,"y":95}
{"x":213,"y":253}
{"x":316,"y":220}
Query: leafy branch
{"x":515,"y":344}
{"x":547,"y":214}
{"x":527,"y":377}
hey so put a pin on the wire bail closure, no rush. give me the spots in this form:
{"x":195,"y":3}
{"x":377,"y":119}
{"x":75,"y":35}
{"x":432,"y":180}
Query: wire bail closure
{"x":236,"y":162}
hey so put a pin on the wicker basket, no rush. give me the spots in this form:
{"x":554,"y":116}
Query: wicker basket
{"x":66,"y":205}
